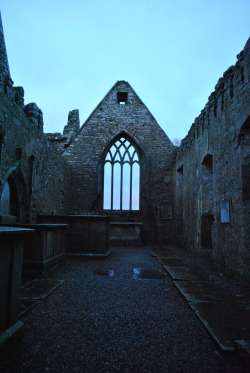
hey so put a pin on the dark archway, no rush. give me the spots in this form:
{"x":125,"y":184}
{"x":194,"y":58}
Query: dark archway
{"x":13,"y":200}
{"x":207,"y":218}
{"x":244,"y":142}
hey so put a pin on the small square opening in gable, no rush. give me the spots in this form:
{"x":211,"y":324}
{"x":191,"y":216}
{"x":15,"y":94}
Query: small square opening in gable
{"x":122,"y":97}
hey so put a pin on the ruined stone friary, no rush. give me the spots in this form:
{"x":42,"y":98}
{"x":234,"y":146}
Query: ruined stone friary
{"x":118,"y":179}
{"x":120,"y":163}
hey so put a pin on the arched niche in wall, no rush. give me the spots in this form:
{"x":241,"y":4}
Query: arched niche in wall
{"x":207,"y":184}
{"x":244,"y":142}
{"x":207,"y":216}
{"x":179,"y":191}
{"x":244,"y":172}
{"x":13,"y":199}
{"x":9,"y":201}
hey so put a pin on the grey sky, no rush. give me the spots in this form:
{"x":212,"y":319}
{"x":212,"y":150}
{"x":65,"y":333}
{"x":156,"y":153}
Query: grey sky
{"x":67,"y":54}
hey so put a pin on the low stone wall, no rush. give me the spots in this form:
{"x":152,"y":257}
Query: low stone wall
{"x":11,"y":256}
{"x":85,"y":234}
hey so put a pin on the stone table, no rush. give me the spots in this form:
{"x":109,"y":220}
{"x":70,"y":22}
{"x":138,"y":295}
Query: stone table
{"x":85,"y":234}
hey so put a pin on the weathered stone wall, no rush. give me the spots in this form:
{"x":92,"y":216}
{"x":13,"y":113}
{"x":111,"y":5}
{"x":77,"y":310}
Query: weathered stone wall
{"x":33,"y":177}
{"x":208,"y":210}
{"x":62,"y":141}
{"x":85,"y":157}
{"x":209,"y":173}
{"x":28,"y":158}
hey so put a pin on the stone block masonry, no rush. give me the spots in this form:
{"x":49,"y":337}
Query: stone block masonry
{"x":85,"y":155}
{"x":35,"y":173}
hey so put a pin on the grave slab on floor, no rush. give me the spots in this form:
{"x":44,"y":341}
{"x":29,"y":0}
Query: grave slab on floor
{"x":195,"y":291}
{"x":243,"y":347}
{"x":39,"y":288}
{"x":146,"y":273}
{"x":226,"y":322}
{"x":26,"y":305}
{"x":184,"y":273}
{"x":163,"y":254}
{"x":104,"y":272}
{"x":171,"y":260}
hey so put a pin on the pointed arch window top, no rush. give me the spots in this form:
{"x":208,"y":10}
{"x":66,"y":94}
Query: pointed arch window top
{"x":112,"y":151}
{"x":121,"y":178}
{"x":135,"y":157}
{"x":108,"y":156}
{"x":122,"y":150}
{"x":126,"y":157}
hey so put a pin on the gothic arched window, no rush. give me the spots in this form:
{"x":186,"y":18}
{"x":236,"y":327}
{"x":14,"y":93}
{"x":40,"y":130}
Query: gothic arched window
{"x":121,"y":177}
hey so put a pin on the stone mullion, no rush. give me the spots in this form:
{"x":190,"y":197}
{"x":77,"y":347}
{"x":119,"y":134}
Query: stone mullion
{"x":130,"y":187}
{"x":121,"y":186}
{"x":139,"y":185}
{"x":112,"y":183}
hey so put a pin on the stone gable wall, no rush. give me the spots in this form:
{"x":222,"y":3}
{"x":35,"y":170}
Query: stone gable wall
{"x":157,"y":152}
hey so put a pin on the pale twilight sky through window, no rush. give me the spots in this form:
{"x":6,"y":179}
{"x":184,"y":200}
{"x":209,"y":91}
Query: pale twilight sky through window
{"x":122,"y":185}
{"x":67,"y":54}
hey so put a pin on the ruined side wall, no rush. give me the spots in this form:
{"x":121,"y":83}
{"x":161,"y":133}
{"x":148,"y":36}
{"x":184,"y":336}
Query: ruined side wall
{"x":40,"y":174}
{"x":215,"y":135}
{"x":157,"y":154}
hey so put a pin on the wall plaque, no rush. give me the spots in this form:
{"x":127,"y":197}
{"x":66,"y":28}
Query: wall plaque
{"x":166,"y":211}
{"x":225,"y":212}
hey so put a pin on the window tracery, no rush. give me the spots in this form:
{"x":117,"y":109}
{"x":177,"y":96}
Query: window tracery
{"x":121,"y":177}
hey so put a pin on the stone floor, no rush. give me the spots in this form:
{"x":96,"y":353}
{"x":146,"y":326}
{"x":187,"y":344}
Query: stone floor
{"x":134,"y":311}
{"x":222,"y":304}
